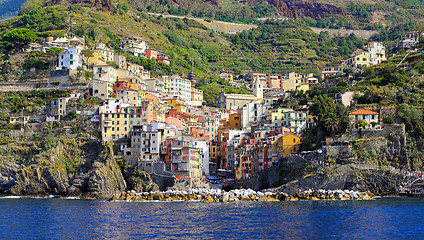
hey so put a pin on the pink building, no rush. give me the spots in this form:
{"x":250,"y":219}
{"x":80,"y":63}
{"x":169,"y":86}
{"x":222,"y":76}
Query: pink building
{"x":151,"y":53}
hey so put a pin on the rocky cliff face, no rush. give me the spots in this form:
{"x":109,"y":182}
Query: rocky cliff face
{"x":299,"y":8}
{"x":103,"y":180}
{"x":32,"y":180}
{"x":52,"y":175}
{"x":297,"y":174}
{"x":381,"y":182}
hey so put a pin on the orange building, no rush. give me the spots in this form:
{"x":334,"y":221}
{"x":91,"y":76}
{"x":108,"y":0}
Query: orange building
{"x":289,"y":144}
{"x":235,"y":121}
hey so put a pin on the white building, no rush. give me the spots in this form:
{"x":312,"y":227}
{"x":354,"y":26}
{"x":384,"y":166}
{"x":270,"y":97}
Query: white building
{"x":296,"y":121}
{"x":155,"y":85}
{"x":175,"y":86}
{"x":70,"y":58}
{"x":204,"y":145}
{"x":254,"y":112}
{"x":345,"y":98}
{"x":129,"y":96}
{"x":377,"y":52}
{"x":409,"y":40}
{"x":366,"y":116}
{"x":145,"y":144}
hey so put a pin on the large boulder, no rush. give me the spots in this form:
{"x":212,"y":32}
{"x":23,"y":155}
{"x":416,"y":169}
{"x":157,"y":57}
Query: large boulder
{"x":104,"y":180}
{"x":140,"y":181}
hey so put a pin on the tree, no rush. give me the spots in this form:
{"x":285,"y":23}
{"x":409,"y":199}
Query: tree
{"x":53,"y":53}
{"x":332,"y":123}
{"x":87,"y":53}
{"x":18,"y":38}
{"x":331,"y":117}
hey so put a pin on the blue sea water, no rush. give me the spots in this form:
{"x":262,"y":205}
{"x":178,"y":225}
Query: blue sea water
{"x":393,"y":218}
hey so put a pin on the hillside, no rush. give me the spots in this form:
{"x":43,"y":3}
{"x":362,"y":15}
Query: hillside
{"x":273,"y":46}
{"x":352,"y":14}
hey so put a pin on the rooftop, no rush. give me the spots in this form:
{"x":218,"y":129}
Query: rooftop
{"x":363,"y":112}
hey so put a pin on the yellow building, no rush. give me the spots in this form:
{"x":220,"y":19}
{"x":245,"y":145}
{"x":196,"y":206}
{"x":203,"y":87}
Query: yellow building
{"x":229,"y":78}
{"x":294,"y":80}
{"x":114,"y":125}
{"x":304,"y":88}
{"x":176,"y":104}
{"x":96,"y":60}
{"x":277,"y":114}
{"x":120,"y":72}
{"x":359,"y":58}
{"x":135,"y":83}
{"x":289,"y":144}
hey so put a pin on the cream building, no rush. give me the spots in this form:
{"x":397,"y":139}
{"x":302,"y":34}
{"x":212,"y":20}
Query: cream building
{"x":196,"y":97}
{"x":103,"y":80}
{"x":135,"y":45}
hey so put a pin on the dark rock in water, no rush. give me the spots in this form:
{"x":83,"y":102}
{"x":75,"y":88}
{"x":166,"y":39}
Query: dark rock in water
{"x":140,"y":181}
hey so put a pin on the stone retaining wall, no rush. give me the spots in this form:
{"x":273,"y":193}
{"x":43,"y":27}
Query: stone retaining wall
{"x":217,"y":195}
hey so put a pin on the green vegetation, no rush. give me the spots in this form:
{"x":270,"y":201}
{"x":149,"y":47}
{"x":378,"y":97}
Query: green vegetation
{"x":16,"y":102}
{"x":42,"y":19}
{"x":212,"y":87}
{"x":17,"y":39}
{"x":291,"y":46}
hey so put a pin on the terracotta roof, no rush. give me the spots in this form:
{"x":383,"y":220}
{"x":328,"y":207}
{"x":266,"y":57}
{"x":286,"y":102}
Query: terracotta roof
{"x":363,"y":112}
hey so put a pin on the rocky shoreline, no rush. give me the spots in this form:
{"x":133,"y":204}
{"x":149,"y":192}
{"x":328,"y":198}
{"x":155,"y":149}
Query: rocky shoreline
{"x":217,"y":195}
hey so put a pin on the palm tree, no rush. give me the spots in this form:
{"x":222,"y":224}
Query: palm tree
{"x":332,"y":123}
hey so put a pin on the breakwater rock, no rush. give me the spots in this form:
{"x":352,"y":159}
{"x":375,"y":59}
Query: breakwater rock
{"x":217,"y":195}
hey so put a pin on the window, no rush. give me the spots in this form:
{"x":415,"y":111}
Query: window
{"x":294,"y":140}
{"x":72,"y":62}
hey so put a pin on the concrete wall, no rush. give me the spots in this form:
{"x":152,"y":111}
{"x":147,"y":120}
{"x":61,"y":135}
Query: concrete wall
{"x":344,"y":32}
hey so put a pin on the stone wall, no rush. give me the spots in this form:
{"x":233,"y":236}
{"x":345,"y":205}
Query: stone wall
{"x":159,"y":175}
{"x":345,"y":32}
